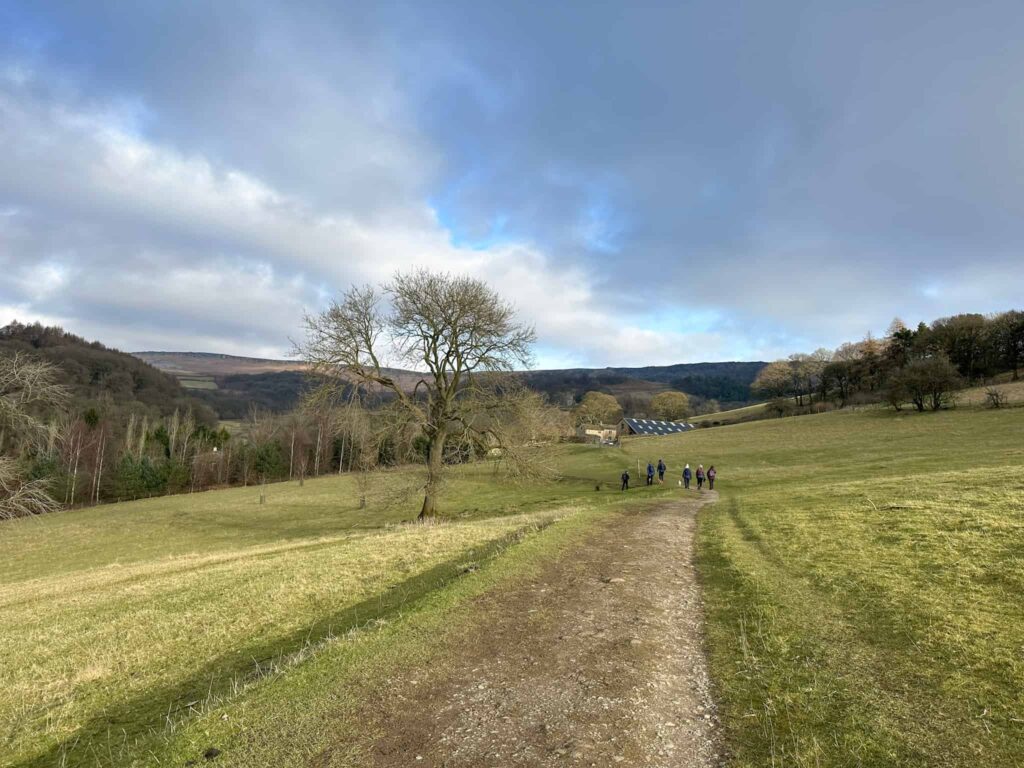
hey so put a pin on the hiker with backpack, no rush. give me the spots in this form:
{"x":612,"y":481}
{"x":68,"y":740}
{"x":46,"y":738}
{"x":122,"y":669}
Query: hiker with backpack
{"x":687,"y":474}
{"x":650,"y":473}
{"x":661,"y":471}
{"x":625,"y":479}
{"x":711,"y":477}
{"x":700,"y":476}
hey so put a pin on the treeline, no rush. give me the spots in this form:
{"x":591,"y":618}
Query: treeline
{"x":94,"y":456}
{"x":717,"y":388}
{"x":55,"y":452}
{"x":727,"y":383}
{"x":238,"y":393}
{"x":921,"y":366}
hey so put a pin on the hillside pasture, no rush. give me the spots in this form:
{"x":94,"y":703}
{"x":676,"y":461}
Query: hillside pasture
{"x":1013,"y":391}
{"x":731,"y":416}
{"x":130,"y":619}
{"x":197,"y":382}
{"x":863,"y":574}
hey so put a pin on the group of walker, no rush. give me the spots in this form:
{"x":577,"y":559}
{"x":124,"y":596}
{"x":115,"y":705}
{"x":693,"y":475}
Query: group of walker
{"x":688,"y":475}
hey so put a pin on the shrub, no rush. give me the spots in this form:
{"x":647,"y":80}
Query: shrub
{"x":927,"y":383}
{"x":995,"y":398}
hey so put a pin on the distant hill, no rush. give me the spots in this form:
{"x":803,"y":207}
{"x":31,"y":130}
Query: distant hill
{"x":94,"y":373}
{"x":199,"y":364}
{"x":232,"y":384}
{"x":728,"y":382}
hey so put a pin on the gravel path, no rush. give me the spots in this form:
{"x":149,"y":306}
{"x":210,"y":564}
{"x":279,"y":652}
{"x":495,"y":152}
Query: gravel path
{"x":597,"y":662}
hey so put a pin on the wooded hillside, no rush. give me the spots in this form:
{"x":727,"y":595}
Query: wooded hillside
{"x":94,"y":373}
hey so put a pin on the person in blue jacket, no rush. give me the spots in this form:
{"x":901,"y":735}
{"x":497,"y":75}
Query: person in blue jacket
{"x":687,"y":475}
{"x":661,"y":471}
{"x":650,"y":473}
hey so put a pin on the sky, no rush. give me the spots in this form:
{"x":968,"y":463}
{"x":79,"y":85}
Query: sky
{"x":649,"y":183}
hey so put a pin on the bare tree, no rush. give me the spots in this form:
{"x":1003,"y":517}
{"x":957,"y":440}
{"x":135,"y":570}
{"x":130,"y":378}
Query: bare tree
{"x":20,"y":497}
{"x":27,"y":386}
{"x":517,"y":428}
{"x":995,"y":397}
{"x":927,"y":383}
{"x":450,"y":328}
{"x":1007,"y":338}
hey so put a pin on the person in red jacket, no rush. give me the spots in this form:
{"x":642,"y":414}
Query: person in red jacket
{"x":700,"y":476}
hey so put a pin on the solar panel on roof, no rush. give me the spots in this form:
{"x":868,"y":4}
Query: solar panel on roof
{"x":656,"y":426}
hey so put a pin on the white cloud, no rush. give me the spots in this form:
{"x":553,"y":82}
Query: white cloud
{"x":144,"y":194}
{"x":158,"y":248}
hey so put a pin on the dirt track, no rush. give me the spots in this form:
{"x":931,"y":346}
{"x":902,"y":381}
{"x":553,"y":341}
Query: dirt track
{"x":597,"y":662}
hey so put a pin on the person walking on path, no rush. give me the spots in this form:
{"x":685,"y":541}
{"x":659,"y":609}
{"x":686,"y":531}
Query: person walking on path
{"x":625,"y":479}
{"x":711,"y":477}
{"x":661,"y":471}
{"x":700,"y":476}
{"x":650,"y":473}
{"x":687,"y":474}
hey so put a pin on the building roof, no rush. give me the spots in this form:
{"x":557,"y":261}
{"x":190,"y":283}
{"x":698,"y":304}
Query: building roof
{"x":655,"y":427}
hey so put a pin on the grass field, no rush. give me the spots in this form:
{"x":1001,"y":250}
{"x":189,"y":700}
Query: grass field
{"x":863,"y":580}
{"x":1013,"y":391}
{"x":862,"y":575}
{"x":731,"y":416}
{"x":121,"y":622}
{"x":197,"y":382}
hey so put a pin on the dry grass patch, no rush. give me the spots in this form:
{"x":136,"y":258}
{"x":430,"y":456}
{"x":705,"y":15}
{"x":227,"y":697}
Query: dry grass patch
{"x":1012,"y":393}
{"x":123,"y":636}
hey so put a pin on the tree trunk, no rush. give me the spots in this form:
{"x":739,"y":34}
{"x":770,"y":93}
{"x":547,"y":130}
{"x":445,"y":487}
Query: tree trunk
{"x":99,"y":467}
{"x":435,"y":455}
{"x":74,"y":475}
{"x":316,"y":462}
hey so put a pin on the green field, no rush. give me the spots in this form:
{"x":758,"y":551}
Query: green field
{"x":197,"y":382}
{"x":862,"y":571}
{"x":121,"y":622}
{"x":732,"y":416}
{"x":863,"y":590}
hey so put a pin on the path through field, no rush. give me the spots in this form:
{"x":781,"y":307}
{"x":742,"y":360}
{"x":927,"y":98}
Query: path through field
{"x":596,"y":662}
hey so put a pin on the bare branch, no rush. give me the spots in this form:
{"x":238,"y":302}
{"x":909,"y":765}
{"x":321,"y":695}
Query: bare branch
{"x":449,"y":328}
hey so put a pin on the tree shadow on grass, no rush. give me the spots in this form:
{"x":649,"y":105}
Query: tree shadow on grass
{"x":148,"y":712}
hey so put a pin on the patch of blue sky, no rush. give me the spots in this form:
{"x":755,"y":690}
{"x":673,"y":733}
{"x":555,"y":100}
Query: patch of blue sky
{"x":25,"y":33}
{"x":549,"y":357}
{"x":601,"y":228}
{"x":750,"y":337}
{"x":131,"y":116}
{"x":683,"y":320}
{"x":474,"y":238}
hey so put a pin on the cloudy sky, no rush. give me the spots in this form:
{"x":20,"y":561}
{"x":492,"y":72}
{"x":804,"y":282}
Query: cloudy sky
{"x":650,"y":183}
